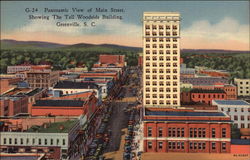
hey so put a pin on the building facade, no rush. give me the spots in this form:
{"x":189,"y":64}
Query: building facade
{"x":161,"y":59}
{"x":42,"y":78}
{"x":238,"y":110}
{"x":58,"y":140}
{"x":243,"y":86}
{"x":202,"y":96}
{"x":186,"y":131}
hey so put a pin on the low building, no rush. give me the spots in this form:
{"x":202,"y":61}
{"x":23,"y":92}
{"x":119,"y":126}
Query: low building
{"x":196,"y":81}
{"x":69,"y":87}
{"x":231,"y":90}
{"x":240,"y":147}
{"x":243,"y":86}
{"x":106,"y":83}
{"x":238,"y":110}
{"x":215,"y":73}
{"x":8,"y":84}
{"x":111,"y":74}
{"x":64,"y":107}
{"x":59,"y":140}
{"x":116,"y":60}
{"x":13,"y":105}
{"x":203,"y":96}
{"x":187,"y":72}
{"x":186,"y":131}
{"x":42,"y":78}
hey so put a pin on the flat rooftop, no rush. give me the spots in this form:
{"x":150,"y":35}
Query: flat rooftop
{"x":184,"y":114}
{"x":231,"y":102}
{"x":57,"y":127}
{"x":59,"y":103}
{"x":75,"y":85}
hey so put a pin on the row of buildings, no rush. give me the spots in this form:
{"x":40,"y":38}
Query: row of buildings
{"x":56,"y":113}
{"x":186,"y":109}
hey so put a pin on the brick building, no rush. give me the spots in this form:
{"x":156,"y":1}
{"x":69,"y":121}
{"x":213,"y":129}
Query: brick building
{"x":111,"y":74}
{"x":186,"y":131}
{"x":64,"y":107}
{"x":42,"y":78}
{"x":230,"y":90}
{"x":13,"y":105}
{"x":203,"y":96}
{"x":116,"y":60}
{"x":8,"y":84}
{"x":197,"y":81}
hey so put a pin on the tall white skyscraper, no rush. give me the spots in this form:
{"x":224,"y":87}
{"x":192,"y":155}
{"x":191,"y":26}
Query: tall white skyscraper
{"x":161,"y":59}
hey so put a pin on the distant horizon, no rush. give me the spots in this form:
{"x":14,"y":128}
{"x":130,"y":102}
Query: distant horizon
{"x":115,"y":44}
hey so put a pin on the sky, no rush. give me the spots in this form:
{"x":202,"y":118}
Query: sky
{"x":204,"y":24}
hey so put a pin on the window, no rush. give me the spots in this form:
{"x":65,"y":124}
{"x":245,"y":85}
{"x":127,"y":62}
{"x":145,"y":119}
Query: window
{"x":195,"y":145}
{"x":190,"y":145}
{"x":45,"y":141}
{"x":182,"y":145}
{"x":178,"y":132}
{"x":160,"y":145}
{"x":63,"y":141}
{"x":149,"y":131}
{"x":223,"y":146}
{"x":213,"y":132}
{"x":204,"y":145}
{"x":236,"y":118}
{"x":199,"y":132}
{"x":178,"y":145}
{"x":228,"y":110}
{"x":15,"y":141}
{"x":235,"y":110}
{"x":21,"y":141}
{"x":173,"y":145}
{"x":242,"y":125}
{"x":191,"y":132}
{"x":10,"y":141}
{"x":149,"y":145}
{"x":242,"y":109}
{"x":169,"y":132}
{"x":213,"y":145}
{"x":4,"y":141}
{"x":223,"y":134}
{"x":242,"y":118}
{"x":39,"y":141}
{"x":169,"y":145}
{"x":182,"y":132}
{"x":51,"y":141}
{"x":203,"y":132}
{"x":200,"y":145}
{"x":57,"y":141}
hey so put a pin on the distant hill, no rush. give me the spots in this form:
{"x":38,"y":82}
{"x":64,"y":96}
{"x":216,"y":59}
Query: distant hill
{"x":13,"y":44}
{"x":206,"y":51}
{"x":8,"y":44}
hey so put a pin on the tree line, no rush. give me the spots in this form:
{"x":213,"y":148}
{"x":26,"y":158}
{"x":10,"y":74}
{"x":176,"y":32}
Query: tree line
{"x":59,"y":59}
{"x":237,"y":64}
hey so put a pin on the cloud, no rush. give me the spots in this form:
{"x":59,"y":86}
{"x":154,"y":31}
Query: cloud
{"x":226,"y":32}
{"x":102,"y":27}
